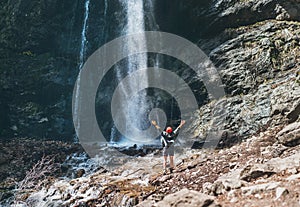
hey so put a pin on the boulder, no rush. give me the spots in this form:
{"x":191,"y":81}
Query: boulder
{"x":231,"y":180}
{"x":285,"y":100}
{"x":294,"y":113}
{"x":189,"y":198}
{"x":290,"y":135}
{"x":293,"y":177}
{"x":281,"y":192}
{"x":275,"y":165}
{"x":146,"y":203}
{"x":251,"y":172}
{"x":227,"y":182}
{"x":251,"y":190}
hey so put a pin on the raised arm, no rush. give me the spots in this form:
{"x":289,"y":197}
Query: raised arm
{"x":180,"y":125}
{"x":155,"y":125}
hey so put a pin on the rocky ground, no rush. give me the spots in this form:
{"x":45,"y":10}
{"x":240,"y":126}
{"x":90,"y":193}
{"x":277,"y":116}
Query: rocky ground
{"x":19,"y":155}
{"x":263,"y":170}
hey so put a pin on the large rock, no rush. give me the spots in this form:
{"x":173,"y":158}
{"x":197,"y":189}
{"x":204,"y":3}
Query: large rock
{"x":290,"y":135}
{"x":188,"y":198}
{"x":294,"y":113}
{"x":259,"y":188}
{"x":275,"y":165}
{"x":227,"y":182}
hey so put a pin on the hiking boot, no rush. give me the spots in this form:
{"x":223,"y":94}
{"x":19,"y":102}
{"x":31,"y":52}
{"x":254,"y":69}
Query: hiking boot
{"x":171,"y":170}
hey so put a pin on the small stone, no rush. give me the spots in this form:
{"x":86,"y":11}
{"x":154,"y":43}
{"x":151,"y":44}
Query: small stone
{"x":80,"y":173}
{"x":232,"y":165}
{"x":293,"y":177}
{"x":207,"y":188}
{"x":231,"y":194}
{"x":255,"y":189}
{"x":165,"y":178}
{"x":234,"y":200}
{"x":281,"y":192}
{"x":14,"y":128}
{"x":292,"y":171}
{"x":20,"y":205}
{"x":146,"y":203}
{"x":259,"y":196}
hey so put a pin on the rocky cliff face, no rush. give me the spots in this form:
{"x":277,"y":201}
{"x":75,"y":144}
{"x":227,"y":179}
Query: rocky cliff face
{"x":255,"y":46}
{"x":38,"y":62}
{"x":210,"y":17}
{"x":259,"y":65}
{"x":40,"y":45}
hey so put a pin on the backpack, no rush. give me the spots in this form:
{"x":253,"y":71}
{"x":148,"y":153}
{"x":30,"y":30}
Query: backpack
{"x":167,"y":139}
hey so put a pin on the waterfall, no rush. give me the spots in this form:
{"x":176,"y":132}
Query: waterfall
{"x":81,"y":62}
{"x":105,"y":7}
{"x":136,"y":14}
{"x":136,"y":24}
{"x":135,"y":110}
{"x":83,"y":34}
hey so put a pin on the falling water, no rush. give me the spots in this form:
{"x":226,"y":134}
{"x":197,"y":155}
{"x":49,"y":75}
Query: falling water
{"x":136,"y":24}
{"x":105,"y":7}
{"x":134,"y":111}
{"x":81,"y":62}
{"x":83,"y":34}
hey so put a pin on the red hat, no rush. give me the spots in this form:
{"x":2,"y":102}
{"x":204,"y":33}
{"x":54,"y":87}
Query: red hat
{"x":169,"y":130}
